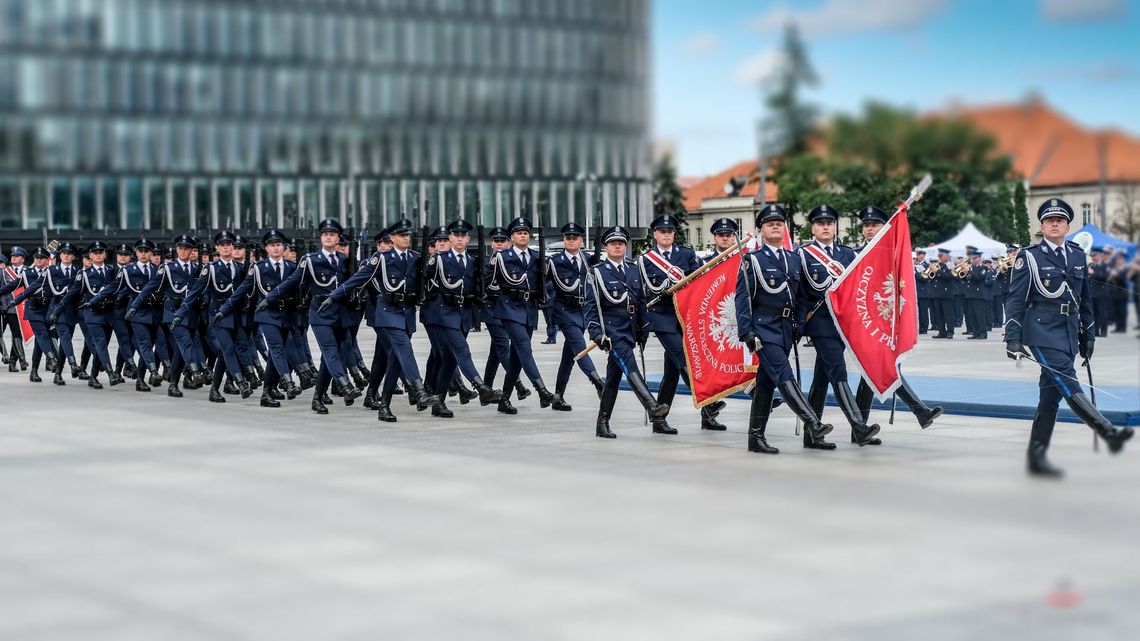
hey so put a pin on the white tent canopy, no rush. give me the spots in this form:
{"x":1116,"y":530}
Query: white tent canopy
{"x":973,"y":237}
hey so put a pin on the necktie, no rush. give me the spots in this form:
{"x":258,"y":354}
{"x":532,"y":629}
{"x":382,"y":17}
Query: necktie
{"x":621,"y":270}
{"x":525,"y":258}
{"x":232,"y":271}
{"x":1061,"y":254}
{"x":463,"y":261}
{"x":574,"y":262}
{"x":828,"y":250}
{"x":280,"y":270}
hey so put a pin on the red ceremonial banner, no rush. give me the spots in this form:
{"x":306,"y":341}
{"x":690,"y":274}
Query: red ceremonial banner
{"x":875,"y":306}
{"x":25,"y":326}
{"x":719,"y":364}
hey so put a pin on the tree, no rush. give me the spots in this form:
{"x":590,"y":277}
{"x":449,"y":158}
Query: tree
{"x":791,"y":122}
{"x":874,"y":159}
{"x":1020,"y":215}
{"x":1127,"y":220}
{"x":668,"y":196}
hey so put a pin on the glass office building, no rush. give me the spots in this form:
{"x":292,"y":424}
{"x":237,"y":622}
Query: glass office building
{"x":200,"y":114}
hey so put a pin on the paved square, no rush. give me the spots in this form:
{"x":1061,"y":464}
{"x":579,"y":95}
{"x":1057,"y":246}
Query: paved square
{"x":131,"y":516}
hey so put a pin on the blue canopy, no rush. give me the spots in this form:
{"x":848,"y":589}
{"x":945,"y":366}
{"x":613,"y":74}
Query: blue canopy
{"x":1102,"y":240}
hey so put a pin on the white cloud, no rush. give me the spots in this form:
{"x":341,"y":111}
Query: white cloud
{"x":701,"y":44}
{"x":1082,"y":10}
{"x":760,"y":67}
{"x":852,"y":16}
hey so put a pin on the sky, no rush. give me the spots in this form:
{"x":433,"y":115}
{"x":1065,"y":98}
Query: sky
{"x":710,"y":58}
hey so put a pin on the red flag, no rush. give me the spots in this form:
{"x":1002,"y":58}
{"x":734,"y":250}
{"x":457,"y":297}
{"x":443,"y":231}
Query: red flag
{"x":719,"y":364}
{"x":875,"y":307}
{"x":25,"y":326}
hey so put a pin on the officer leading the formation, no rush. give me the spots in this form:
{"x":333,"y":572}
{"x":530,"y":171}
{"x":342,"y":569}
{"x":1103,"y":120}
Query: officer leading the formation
{"x":766,"y":294}
{"x":1050,"y":320}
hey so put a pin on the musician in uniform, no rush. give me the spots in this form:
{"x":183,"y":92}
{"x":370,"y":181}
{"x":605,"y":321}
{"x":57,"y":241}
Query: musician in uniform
{"x":322,"y":273}
{"x":567,"y":271}
{"x":942,"y":296}
{"x":614,"y":314}
{"x":1050,"y":319}
{"x":515,"y":273}
{"x":922,"y":290}
{"x":766,"y":294}
{"x":974,"y":294}
{"x":874,"y":219}
{"x":823,"y":261}
{"x":397,"y":275}
{"x":661,"y":266}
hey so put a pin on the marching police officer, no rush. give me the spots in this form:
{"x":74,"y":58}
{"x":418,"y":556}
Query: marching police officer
{"x":823,"y":260}
{"x":8,"y":312}
{"x":567,"y":272}
{"x":661,"y":266}
{"x":322,"y":273}
{"x":1050,"y":320}
{"x":397,"y":274}
{"x":614,"y":313}
{"x":125,"y":354}
{"x":132,"y":279}
{"x":873,"y":219}
{"x":500,"y":352}
{"x":64,"y":316}
{"x":515,"y":274}
{"x":766,"y":294}
{"x":96,"y":315}
{"x":452,"y":276}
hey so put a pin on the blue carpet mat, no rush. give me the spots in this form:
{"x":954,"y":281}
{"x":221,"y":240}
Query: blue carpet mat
{"x":983,"y":397}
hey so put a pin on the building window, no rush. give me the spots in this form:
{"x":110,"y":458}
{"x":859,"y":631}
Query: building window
{"x":1086,"y":213}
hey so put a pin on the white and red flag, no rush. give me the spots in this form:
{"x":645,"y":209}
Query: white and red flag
{"x":875,"y":305}
{"x":719,"y":364}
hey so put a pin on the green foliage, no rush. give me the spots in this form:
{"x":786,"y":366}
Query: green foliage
{"x":668,"y":196}
{"x":791,"y":121}
{"x":1020,"y":215}
{"x":876,"y":157}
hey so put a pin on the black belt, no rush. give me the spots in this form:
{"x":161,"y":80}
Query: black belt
{"x":783,"y":312}
{"x":458,"y":300}
{"x":1063,"y":309}
{"x":520,"y":294}
{"x":572,"y":303}
{"x":397,"y":298}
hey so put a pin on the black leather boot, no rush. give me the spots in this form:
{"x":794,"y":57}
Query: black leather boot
{"x":349,"y":392}
{"x":364,"y":371}
{"x":76,"y":371}
{"x":273,"y":392}
{"x":398,"y":390}
{"x":172,"y":390}
{"x":114,"y":378}
{"x":51,"y":363}
{"x":215,"y":387}
{"x":466,"y":394}
{"x":1036,"y":463}
{"x":598,"y":383}
{"x":925,"y":415}
{"x":251,"y":376}
{"x":709,"y":422}
{"x":244,"y":388}
{"x":306,"y":378}
{"x":641,"y":391}
{"x":441,"y":410}
{"x":292,"y":390}
{"x":487,"y":394}
{"x":605,"y":410}
{"x":546,"y":398}
{"x":155,"y":377}
{"x":817,"y":394}
{"x":230,"y":387}
{"x":521,"y":391}
{"x":58,"y":378}
{"x":140,"y":384}
{"x":129,"y":370}
{"x":385,"y":414}
{"x":559,"y":403}
{"x":338,"y":386}
{"x":758,"y":422}
{"x":794,"y":397}
{"x":267,"y":400}
{"x":661,"y":426}
{"x":861,"y":433}
{"x":505,"y":404}
{"x":421,"y":396}
{"x":318,"y":404}
{"x":1113,"y":437}
{"x":93,"y":382}
{"x":325,"y":398}
{"x":358,"y":379}
{"x":371,"y":401}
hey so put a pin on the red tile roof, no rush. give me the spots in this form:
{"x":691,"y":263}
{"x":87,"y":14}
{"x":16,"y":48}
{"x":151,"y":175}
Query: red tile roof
{"x":713,"y":186}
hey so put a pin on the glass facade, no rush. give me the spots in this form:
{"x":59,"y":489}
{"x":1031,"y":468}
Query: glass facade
{"x":195,"y":114}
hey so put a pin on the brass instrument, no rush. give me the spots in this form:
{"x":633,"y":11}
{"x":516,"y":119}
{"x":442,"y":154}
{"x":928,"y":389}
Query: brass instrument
{"x":1004,"y":263}
{"x":931,"y":270}
{"x":961,"y":269}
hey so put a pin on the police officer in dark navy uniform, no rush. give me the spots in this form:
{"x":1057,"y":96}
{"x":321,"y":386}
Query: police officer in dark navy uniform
{"x":874,"y":219}
{"x":274,"y":321}
{"x":169,"y":285}
{"x":370,"y":291}
{"x":567,"y":272}
{"x":922,"y":290}
{"x":515,"y":273}
{"x":132,"y":278}
{"x":1050,"y":319}
{"x":64,"y":317}
{"x":8,"y":314}
{"x":96,"y":315}
{"x":500,"y":352}
{"x":125,"y":354}
{"x":974,"y":296}
{"x":614,"y":314}
{"x":661,"y":318}
{"x":440,"y":241}
{"x":766,"y":293}
{"x":322,"y":272}
{"x":397,"y":273}
{"x":37,"y":301}
{"x":942,"y":296}
{"x":823,"y":261}
{"x":451,"y":275}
